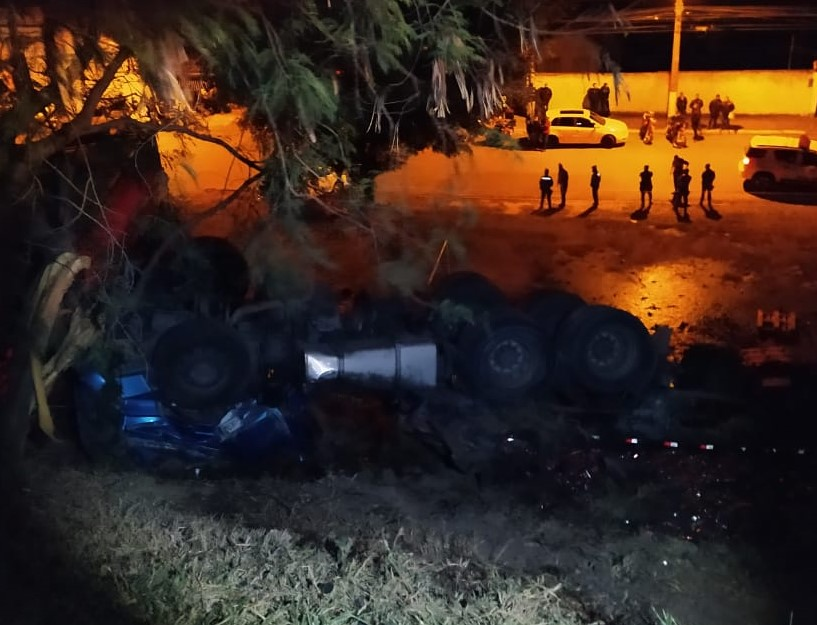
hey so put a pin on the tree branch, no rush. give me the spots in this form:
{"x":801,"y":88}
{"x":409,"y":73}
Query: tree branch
{"x":252,"y":164}
{"x":94,"y":97}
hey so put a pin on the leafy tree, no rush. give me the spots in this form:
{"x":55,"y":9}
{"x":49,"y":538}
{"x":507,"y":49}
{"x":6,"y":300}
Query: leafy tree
{"x":353,"y":84}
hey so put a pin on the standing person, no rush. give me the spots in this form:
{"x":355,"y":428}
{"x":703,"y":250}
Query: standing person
{"x":561,"y":179}
{"x":681,"y":104}
{"x":678,"y":165}
{"x":727,"y":108}
{"x":645,"y":186}
{"x":595,"y":182}
{"x":593,"y":97}
{"x":683,"y":191}
{"x":604,"y":101}
{"x":715,"y":106}
{"x":545,"y":130}
{"x":545,"y":190}
{"x":695,"y":110}
{"x":707,"y":184}
{"x":545,"y":94}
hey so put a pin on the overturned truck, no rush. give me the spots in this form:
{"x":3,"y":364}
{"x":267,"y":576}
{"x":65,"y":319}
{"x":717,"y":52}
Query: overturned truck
{"x":221,"y":379}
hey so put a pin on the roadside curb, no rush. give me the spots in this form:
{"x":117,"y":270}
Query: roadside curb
{"x":747,"y":131}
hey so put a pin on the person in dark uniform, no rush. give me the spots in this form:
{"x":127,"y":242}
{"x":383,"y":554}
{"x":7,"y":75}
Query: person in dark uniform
{"x":593,"y":97}
{"x":645,"y":186}
{"x":544,"y":94}
{"x":677,"y":170}
{"x":545,"y":189}
{"x":681,"y":104}
{"x":707,"y":184}
{"x":727,"y":108}
{"x":683,"y":192}
{"x":561,"y":179}
{"x":678,"y":165}
{"x":696,"y":108}
{"x":604,"y":101}
{"x":595,"y":182}
{"x":715,"y":106}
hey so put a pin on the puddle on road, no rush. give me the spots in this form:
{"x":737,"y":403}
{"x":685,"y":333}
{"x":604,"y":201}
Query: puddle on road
{"x":685,"y":295}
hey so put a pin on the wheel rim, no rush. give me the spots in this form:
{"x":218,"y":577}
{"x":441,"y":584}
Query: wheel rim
{"x":510,"y":364}
{"x":609,"y":355}
{"x":201,"y":369}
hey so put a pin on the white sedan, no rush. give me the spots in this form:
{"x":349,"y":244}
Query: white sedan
{"x":583,"y":127}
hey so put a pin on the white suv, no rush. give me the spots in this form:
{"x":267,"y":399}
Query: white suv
{"x":775,"y":161}
{"x":583,"y":127}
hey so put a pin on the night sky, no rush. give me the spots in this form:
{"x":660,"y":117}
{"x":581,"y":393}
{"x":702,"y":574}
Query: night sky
{"x":722,"y":51}
{"x":719,"y":50}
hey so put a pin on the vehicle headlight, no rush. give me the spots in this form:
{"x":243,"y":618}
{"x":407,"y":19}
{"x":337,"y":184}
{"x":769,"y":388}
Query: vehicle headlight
{"x":745,"y":160}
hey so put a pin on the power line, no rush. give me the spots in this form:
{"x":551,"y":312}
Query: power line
{"x":700,"y":18}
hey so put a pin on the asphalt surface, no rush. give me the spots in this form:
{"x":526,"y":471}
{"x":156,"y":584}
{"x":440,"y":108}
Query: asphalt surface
{"x":507,"y":180}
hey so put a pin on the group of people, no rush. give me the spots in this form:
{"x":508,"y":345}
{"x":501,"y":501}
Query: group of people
{"x":546,"y":184}
{"x":597,"y":99}
{"x":681,"y":179}
{"x":721,"y":112}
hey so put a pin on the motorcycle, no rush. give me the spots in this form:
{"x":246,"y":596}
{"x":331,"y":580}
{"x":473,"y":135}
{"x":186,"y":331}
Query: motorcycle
{"x":647,"y":131}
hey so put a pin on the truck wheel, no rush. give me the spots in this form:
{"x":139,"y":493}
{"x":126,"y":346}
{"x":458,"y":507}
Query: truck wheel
{"x":470,"y":289}
{"x":605,"y":350}
{"x":502,"y":356}
{"x":201,"y":363}
{"x":549,"y":308}
{"x":229,"y":273}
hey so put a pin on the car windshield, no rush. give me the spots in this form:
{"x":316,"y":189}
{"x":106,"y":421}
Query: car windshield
{"x":597,"y":118}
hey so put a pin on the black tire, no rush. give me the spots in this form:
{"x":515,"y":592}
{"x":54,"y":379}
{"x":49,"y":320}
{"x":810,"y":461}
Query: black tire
{"x":605,"y":351}
{"x":470,"y":289}
{"x":762,"y":182}
{"x":502,"y":357}
{"x":549,"y":308}
{"x":552,"y":141}
{"x":229,"y":273}
{"x":201,"y":363}
{"x":608,"y":141}
{"x":207,"y":269}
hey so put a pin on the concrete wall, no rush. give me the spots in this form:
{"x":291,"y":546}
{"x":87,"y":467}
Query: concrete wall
{"x":754,"y":92}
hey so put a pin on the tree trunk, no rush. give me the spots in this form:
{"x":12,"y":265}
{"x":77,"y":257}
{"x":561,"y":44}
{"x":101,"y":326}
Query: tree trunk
{"x":16,"y":273}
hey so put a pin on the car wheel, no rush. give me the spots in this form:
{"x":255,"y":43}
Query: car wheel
{"x":502,"y":357}
{"x":606,"y":351}
{"x":549,"y":308}
{"x":608,"y":141}
{"x":201,"y":363}
{"x":552,"y":141}
{"x":762,"y":182}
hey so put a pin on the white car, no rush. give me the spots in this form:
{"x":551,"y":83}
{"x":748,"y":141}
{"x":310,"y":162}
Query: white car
{"x":777,"y":161}
{"x":583,"y":127}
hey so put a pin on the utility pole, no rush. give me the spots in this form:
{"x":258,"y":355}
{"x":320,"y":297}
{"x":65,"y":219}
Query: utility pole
{"x":676,"y":57}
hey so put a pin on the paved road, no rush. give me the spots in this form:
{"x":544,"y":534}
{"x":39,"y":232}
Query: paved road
{"x":510,"y":178}
{"x":706,"y":278}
